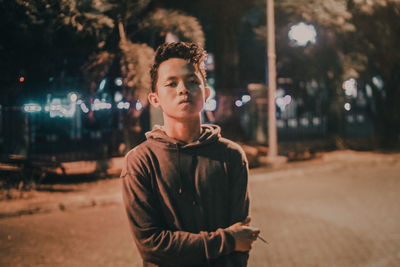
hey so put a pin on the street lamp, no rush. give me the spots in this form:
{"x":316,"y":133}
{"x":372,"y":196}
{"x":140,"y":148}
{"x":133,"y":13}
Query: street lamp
{"x":301,"y":34}
{"x":272,"y":157}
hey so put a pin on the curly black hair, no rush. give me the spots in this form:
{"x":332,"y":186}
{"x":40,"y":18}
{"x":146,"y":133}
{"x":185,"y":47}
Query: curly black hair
{"x":188,"y":51}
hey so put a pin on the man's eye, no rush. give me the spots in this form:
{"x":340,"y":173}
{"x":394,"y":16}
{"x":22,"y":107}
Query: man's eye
{"x":194,"y":81}
{"x":171,"y":84}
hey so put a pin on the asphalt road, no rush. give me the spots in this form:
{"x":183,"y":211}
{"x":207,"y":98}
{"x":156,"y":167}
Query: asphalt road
{"x":343,"y":212}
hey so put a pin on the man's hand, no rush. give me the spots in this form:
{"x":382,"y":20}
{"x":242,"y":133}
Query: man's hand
{"x":244,"y":234}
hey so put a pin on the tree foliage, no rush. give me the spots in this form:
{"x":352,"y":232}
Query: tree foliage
{"x":356,"y":38}
{"x":187,"y":28}
{"x":112,"y":25}
{"x":135,"y":57}
{"x":135,"y":62}
{"x":377,"y":45}
{"x":328,"y":13}
{"x":98,"y":65}
{"x":85,"y":17}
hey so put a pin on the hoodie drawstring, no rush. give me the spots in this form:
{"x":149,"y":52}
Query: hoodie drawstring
{"x":180,"y":191}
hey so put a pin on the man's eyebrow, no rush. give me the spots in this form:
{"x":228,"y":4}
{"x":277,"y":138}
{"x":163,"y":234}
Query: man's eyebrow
{"x":171,"y":78}
{"x":192,"y":75}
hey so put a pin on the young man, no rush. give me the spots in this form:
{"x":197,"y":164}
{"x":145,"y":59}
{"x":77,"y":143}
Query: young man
{"x":185,"y":187}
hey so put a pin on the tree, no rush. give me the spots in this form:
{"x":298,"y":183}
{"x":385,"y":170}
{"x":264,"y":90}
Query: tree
{"x":349,"y":46}
{"x":45,"y":40}
{"x":114,"y":31}
{"x":186,"y":28}
{"x":373,"y":52}
{"x":136,"y":58}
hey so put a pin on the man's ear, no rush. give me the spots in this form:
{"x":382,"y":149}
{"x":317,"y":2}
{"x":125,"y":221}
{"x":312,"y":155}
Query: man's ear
{"x":153,"y":99}
{"x":206,"y":92}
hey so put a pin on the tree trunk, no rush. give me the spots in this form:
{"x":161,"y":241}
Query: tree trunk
{"x":122,"y":34}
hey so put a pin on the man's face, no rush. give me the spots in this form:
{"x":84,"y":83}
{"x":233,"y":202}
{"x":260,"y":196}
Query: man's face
{"x":181,"y":92}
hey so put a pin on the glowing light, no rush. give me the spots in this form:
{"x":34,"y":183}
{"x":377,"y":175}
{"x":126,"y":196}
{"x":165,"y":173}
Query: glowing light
{"x":117,"y":96}
{"x":246,"y":98}
{"x":32,"y":107}
{"x":282,"y":102}
{"x":84,"y":108}
{"x":350,"y":87}
{"x":210,"y":105}
{"x":287,"y":99}
{"x":99,"y":105}
{"x":212,"y":91}
{"x":210,"y":62}
{"x":316,"y":121}
{"x":238,"y":103}
{"x":368,"y":90}
{"x":279,"y":101}
{"x":210,"y":59}
{"x":21,"y":79}
{"x":102,"y":84}
{"x":123,"y":105}
{"x":304,"y":122}
{"x":301,"y":34}
{"x":292,"y":123}
{"x":138,"y":105}
{"x":118,"y":81}
{"x":55,"y":104}
{"x":378,"y":82}
{"x":57,"y":109}
{"x":280,"y":123}
{"x":347,"y":106}
{"x":350,"y":118}
{"x":73,"y":97}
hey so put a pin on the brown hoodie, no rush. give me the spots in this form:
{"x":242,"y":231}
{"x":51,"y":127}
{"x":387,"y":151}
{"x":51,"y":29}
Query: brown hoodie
{"x":179,"y":198}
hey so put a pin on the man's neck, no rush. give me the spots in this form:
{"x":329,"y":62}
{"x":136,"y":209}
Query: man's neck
{"x":186,"y":131}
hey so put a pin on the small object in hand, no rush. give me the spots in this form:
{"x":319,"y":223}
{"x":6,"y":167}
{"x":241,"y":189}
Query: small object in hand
{"x":259,"y":237}
{"x":262,"y":239}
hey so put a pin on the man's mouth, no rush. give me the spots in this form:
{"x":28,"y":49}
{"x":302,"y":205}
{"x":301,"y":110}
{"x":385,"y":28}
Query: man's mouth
{"x":185,"y":100}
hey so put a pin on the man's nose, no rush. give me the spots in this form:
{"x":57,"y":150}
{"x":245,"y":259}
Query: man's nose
{"x":182,"y":89}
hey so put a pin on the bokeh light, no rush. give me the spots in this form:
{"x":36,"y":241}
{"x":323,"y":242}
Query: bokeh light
{"x":301,"y":34}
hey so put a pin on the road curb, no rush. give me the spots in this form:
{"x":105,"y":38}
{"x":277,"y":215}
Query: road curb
{"x":86,"y":202}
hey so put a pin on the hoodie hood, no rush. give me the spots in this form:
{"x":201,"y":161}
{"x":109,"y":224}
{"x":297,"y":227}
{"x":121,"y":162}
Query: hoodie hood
{"x":209,"y":134}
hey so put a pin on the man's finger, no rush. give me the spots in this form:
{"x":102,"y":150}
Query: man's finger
{"x":246,"y":221}
{"x":252,"y":228}
{"x":254,"y":235}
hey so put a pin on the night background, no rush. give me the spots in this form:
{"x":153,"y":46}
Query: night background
{"x":74,"y":79}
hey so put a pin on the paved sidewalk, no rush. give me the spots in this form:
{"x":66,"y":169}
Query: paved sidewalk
{"x":64,"y":197}
{"x":341,"y":209}
{"x":108,"y":191}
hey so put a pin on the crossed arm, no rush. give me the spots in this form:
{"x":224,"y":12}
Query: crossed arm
{"x":160,"y":245}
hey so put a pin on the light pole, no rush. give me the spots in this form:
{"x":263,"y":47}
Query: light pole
{"x":272,"y":133}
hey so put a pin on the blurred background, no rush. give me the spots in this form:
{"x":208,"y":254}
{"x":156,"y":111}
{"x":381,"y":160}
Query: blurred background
{"x":74,"y":79}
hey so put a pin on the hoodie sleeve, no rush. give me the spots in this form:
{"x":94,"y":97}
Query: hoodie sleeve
{"x":239,"y":198}
{"x":157,"y":244}
{"x":238,"y":173}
